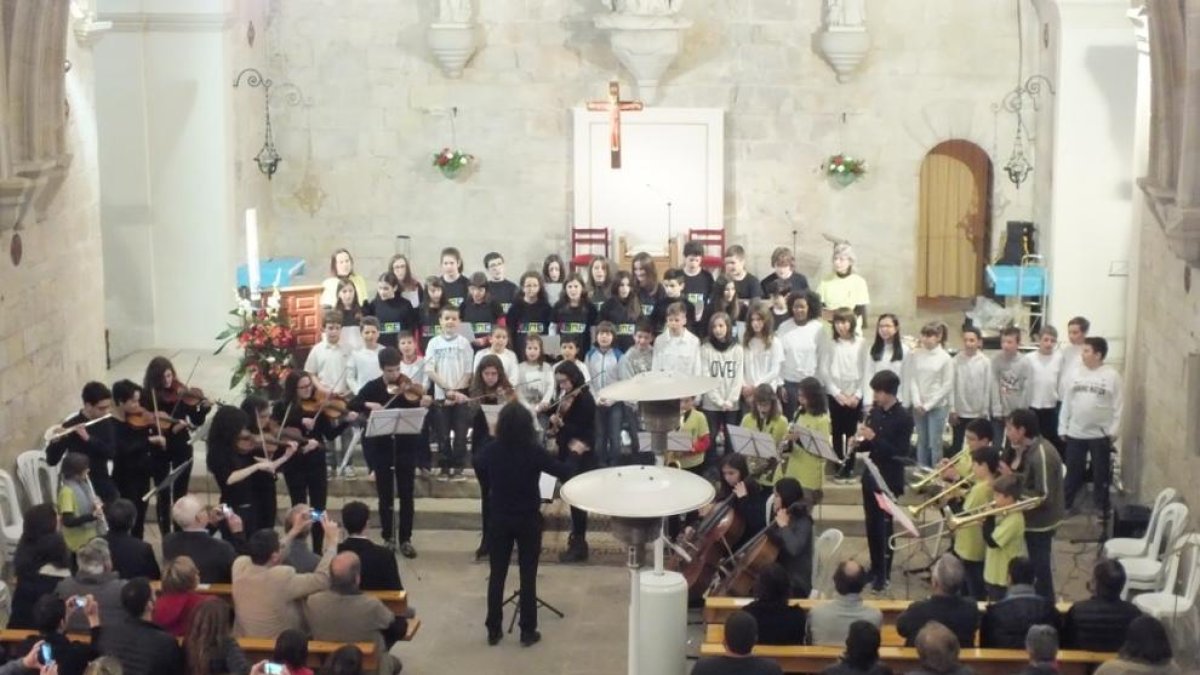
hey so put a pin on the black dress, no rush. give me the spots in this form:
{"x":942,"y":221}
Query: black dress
{"x":304,"y":473}
{"x":579,"y":424}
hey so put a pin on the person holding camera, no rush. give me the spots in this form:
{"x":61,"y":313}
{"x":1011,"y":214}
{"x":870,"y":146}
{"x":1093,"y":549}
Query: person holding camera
{"x":213,"y":557}
{"x":267,"y":595}
{"x":50,"y":615}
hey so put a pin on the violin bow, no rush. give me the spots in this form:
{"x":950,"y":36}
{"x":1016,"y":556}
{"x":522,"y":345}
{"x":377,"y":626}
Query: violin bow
{"x":283,"y":422}
{"x":186,"y":386}
{"x":154,"y":404}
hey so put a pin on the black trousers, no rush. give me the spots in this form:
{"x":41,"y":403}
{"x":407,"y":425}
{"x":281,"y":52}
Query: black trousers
{"x":585,"y":462}
{"x":879,"y":530}
{"x":395,"y":466}
{"x":1039,"y":545}
{"x":844,"y":422}
{"x":1078,"y":452}
{"x":133,"y":486}
{"x":265,"y":508}
{"x":307,"y":483}
{"x":526,"y":533}
{"x":1048,"y":424}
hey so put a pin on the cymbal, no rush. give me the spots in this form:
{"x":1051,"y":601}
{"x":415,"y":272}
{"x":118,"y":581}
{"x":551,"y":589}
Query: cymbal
{"x":637,"y":491}
{"x":657,"y":385}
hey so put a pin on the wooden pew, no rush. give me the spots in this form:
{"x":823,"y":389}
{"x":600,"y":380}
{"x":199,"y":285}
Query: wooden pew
{"x":717,"y":609}
{"x":809,"y":660}
{"x":715,"y":633}
{"x":397,"y":601}
{"x":256,"y":649}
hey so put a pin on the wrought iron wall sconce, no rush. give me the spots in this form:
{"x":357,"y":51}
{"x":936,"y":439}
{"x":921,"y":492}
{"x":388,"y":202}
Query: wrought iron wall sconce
{"x":268,"y":158}
{"x":1018,"y":167}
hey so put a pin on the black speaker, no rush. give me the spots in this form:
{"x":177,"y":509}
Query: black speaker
{"x":1018,"y":242}
{"x":1131,"y":520}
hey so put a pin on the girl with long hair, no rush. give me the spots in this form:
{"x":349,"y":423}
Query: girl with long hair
{"x":749,"y":499}
{"x":41,"y":561}
{"x":841,"y":371}
{"x":812,"y":416}
{"x":409,"y":286}
{"x":341,"y":268}
{"x":802,"y":337}
{"x":304,"y":473}
{"x":574,"y":419}
{"x":886,"y":353}
{"x":489,"y":386}
{"x":574,"y":314}
{"x":162,"y":392}
{"x":600,"y":280}
{"x":645,"y":278}
{"x":723,"y":358}
{"x":554,"y":274}
{"x":429,"y":313}
{"x":623,"y":310}
{"x":210,"y":648}
{"x":530,"y":313}
{"x":764,"y":354}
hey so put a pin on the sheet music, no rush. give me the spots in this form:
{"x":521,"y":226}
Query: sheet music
{"x":898,"y":514}
{"x":880,"y":484}
{"x":677,"y":441}
{"x":396,"y":421}
{"x":546,"y":485}
{"x":814,"y":444}
{"x":752,"y":443}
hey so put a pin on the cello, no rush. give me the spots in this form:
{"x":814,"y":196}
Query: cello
{"x":698,"y":554}
{"x":738,"y":574}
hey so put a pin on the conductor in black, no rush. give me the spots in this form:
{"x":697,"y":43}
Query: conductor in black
{"x":512,"y":465}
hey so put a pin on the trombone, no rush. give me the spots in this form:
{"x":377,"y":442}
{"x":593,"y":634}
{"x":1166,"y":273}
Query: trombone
{"x":976,"y":516}
{"x":915,"y":510}
{"x":927,"y":477}
{"x":59,"y":431}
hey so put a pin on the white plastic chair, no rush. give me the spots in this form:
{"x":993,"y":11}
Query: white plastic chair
{"x":38,"y":479}
{"x":1130,"y":547}
{"x":11,"y":521}
{"x":1183,"y":574}
{"x":826,"y":547}
{"x":1145,"y":573}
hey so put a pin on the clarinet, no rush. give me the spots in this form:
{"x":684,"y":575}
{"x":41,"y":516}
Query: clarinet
{"x":102,"y":521}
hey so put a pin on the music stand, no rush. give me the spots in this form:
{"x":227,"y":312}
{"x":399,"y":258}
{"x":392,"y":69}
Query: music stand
{"x":546,"y":488}
{"x":394,"y":422}
{"x":677,"y":441}
{"x":167,"y":484}
{"x":814,"y":444}
{"x":752,"y":443}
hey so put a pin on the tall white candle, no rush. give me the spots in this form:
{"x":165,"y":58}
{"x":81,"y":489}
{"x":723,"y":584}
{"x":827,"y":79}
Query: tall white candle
{"x":252,"y":252}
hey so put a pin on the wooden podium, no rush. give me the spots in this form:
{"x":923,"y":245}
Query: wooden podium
{"x":303,"y":307}
{"x":663,"y":259}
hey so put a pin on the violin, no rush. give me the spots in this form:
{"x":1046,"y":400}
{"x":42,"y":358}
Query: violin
{"x":404,"y":387}
{"x":331,"y":406}
{"x":144,"y":419}
{"x":249,"y":442}
{"x":562,"y":407}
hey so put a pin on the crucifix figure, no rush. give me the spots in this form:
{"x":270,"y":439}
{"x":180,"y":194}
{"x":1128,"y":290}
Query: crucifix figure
{"x":614,"y":105}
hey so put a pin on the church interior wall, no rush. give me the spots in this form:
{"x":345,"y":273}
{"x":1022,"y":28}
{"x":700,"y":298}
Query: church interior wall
{"x":52,"y":303}
{"x":381,"y":109}
{"x":1161,"y":422}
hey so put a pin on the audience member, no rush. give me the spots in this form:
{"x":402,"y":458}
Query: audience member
{"x":213,"y":557}
{"x":210,"y":648}
{"x":829,"y":623}
{"x":297,"y":553}
{"x":778,"y":622}
{"x":937,"y":652}
{"x":131,"y":557}
{"x":1006,"y":622}
{"x":1146,"y":651}
{"x":267,"y":594}
{"x":345,"y":614}
{"x":26,"y":663}
{"x":947,"y":605}
{"x":1041,"y":642}
{"x":50,"y":614}
{"x":346,"y":660}
{"x":105,"y":665}
{"x":862,"y":653}
{"x":741,"y":633}
{"x":379,"y":569}
{"x":1101,"y":621}
{"x":178,"y":599}
{"x":142,"y":647}
{"x":40,"y":563}
{"x":95,"y":577}
{"x":291,"y":650}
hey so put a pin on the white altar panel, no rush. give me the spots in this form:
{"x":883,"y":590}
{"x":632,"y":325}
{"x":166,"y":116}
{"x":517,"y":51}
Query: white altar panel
{"x":674,"y":155}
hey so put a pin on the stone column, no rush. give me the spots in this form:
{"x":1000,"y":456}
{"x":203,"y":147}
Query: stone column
{"x":1088,"y":239}
{"x":164,"y":112}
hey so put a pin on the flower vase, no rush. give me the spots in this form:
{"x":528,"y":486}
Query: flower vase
{"x":451,"y":170}
{"x":845,"y":178}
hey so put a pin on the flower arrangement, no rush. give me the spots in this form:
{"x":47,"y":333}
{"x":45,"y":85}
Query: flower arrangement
{"x":451,"y":162}
{"x":844,"y":169}
{"x":266,"y":338}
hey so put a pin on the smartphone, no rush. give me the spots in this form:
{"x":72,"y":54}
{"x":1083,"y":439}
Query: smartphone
{"x":317,"y":515}
{"x":80,"y":602}
{"x":273,"y":669}
{"x":47,"y":654}
{"x":225,"y":509}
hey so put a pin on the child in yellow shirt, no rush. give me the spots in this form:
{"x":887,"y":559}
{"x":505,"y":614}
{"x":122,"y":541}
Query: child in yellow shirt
{"x":766,"y":415}
{"x":695,"y":425}
{"x":1005,"y":537}
{"x":80,"y":510}
{"x":813,"y":415}
{"x":968,"y":542}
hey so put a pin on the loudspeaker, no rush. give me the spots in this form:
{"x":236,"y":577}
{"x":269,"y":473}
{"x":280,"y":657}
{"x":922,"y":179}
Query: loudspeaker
{"x":1018,"y":242}
{"x":1131,"y":520}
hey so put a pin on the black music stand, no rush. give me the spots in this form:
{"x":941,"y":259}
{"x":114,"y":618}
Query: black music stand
{"x":167,"y":484}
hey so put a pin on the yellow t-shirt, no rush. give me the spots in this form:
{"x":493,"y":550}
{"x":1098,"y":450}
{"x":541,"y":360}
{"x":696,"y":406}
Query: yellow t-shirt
{"x":965,"y":465}
{"x":695,"y":425}
{"x":802,"y":465}
{"x":849,"y":291}
{"x":79,"y":535}
{"x":968,"y":541}
{"x":1010,"y":535}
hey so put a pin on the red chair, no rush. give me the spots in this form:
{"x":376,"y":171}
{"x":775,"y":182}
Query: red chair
{"x":587,"y":243}
{"x":713,"y":242}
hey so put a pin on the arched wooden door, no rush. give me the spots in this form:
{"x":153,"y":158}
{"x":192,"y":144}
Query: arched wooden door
{"x":954,"y":220}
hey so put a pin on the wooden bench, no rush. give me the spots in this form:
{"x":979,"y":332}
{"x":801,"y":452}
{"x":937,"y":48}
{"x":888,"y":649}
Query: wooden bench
{"x":715,"y":633}
{"x":396,"y":601}
{"x":717,"y":609}
{"x":813,"y":659}
{"x":256,"y":649}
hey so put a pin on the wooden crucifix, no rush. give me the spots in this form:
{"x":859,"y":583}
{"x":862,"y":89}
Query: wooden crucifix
{"x":614,"y":105}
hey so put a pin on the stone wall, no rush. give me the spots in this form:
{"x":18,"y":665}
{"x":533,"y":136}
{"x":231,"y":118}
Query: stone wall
{"x":1161,"y":447}
{"x":52,"y":304}
{"x":380,"y":109}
